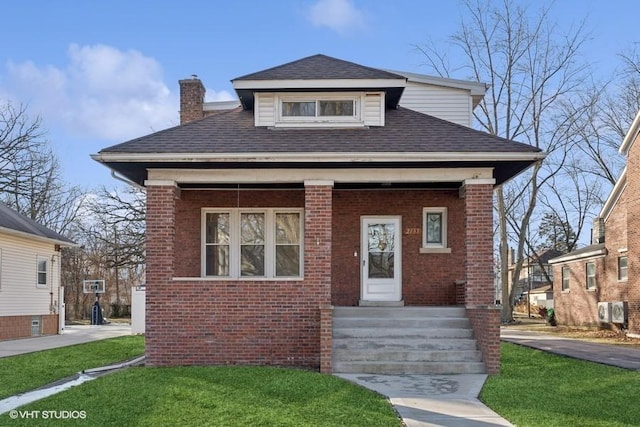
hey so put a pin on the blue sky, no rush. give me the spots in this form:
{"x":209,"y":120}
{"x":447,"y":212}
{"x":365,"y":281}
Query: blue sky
{"x":103,"y":72}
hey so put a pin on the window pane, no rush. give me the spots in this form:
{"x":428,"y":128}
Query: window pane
{"x":434,"y":228}
{"x":217,"y":260}
{"x":287,"y":260}
{"x":42,"y":265}
{"x":217,"y":228}
{"x":252,"y":228}
{"x":287,"y":228}
{"x":336,"y":108}
{"x":622,"y":268}
{"x":252,"y":260}
{"x":381,"y":250}
{"x":42,"y":278}
{"x":298,"y":109}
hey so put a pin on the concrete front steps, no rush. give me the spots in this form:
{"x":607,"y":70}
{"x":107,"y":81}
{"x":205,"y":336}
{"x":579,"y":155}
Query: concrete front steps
{"x":404,"y":340}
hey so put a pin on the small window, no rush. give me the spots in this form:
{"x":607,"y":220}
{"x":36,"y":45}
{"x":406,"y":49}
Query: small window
{"x":312,"y":109}
{"x":591,"y":275}
{"x":622,"y":269}
{"x":434,"y":228}
{"x":565,"y":278}
{"x":41,"y":271}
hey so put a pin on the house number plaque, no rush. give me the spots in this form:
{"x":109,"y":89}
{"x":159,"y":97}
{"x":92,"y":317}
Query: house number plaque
{"x":411,"y":231}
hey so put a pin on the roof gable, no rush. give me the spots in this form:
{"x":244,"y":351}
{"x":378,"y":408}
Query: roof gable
{"x":319,"y":73}
{"x":319,"y":67}
{"x":13,"y":221}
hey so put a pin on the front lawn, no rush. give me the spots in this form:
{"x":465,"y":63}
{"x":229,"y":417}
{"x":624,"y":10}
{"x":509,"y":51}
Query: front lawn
{"x":29,"y":371}
{"x":536,"y":388}
{"x":216,"y":396}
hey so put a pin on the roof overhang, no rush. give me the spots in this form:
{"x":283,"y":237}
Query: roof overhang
{"x":593,"y":251}
{"x":136,"y":167}
{"x":35,"y":237}
{"x":631,"y":135}
{"x":392,"y":87}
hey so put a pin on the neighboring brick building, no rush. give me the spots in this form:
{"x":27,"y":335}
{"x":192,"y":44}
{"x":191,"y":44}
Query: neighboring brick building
{"x":318,"y":190}
{"x":603,"y":279}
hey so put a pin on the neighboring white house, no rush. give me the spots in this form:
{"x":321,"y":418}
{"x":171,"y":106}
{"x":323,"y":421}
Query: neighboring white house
{"x":31,"y":298}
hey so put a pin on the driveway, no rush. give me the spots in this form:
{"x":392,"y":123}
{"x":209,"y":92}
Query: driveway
{"x":73,"y":334}
{"x":608,"y":354}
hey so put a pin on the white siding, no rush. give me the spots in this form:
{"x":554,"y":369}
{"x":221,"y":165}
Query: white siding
{"x":449,"y":104}
{"x":374,"y":109}
{"x":18,"y":292}
{"x":264,"y":109}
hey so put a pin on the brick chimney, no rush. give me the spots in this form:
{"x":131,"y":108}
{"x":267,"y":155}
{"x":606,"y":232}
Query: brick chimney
{"x":191,"y":99}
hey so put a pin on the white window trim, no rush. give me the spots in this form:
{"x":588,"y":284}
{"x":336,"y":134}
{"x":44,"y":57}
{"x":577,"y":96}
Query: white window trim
{"x":621,"y":279}
{"x":586,"y":271}
{"x":320,"y":121}
{"x":562,"y":277}
{"x":433,"y":247}
{"x":46,"y":271}
{"x":234,"y":244}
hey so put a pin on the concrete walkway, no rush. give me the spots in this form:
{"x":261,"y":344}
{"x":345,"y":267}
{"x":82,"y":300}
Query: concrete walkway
{"x":73,"y":334}
{"x":433,"y":400}
{"x":608,"y":354}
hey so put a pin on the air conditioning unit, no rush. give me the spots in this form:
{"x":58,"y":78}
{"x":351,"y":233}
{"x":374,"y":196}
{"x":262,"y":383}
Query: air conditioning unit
{"x":619,"y":312}
{"x":604,"y":312}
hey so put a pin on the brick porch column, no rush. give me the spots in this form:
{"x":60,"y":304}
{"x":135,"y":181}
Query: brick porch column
{"x":633,"y":238}
{"x":318,"y":201}
{"x":479,"y":293}
{"x":160,"y":241}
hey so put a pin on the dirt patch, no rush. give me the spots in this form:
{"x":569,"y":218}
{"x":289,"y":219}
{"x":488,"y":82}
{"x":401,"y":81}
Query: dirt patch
{"x":607,"y":336}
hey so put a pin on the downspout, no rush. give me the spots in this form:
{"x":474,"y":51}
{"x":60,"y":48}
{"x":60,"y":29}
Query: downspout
{"x":126,"y":180}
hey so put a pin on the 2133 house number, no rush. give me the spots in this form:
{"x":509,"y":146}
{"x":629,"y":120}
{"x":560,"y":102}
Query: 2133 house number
{"x":411,"y":231}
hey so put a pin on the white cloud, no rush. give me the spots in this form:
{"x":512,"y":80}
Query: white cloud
{"x":102,"y":92}
{"x":213,"y":96}
{"x":339,"y":15}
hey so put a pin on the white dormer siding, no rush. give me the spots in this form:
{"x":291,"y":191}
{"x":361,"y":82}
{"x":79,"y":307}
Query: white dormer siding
{"x":368,"y":109}
{"x":452,"y":104}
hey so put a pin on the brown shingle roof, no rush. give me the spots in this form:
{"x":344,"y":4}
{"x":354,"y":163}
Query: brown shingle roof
{"x":404,"y":131}
{"x":320,"y":67}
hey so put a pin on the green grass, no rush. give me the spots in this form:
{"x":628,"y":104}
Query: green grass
{"x":536,"y":388}
{"x":216,"y":396}
{"x":29,"y":371}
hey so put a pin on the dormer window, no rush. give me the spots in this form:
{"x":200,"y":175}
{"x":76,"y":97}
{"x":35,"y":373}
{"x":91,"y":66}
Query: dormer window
{"x":319,"y":109}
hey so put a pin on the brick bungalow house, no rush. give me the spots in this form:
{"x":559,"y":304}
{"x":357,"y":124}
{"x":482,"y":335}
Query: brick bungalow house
{"x":320,"y":202}
{"x":600,"y":283}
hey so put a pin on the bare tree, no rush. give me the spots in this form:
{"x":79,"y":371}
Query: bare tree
{"x":116,"y":230}
{"x":530,"y":66}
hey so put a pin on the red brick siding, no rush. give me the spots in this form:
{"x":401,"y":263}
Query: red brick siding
{"x":478,"y":231}
{"x":12,"y":327}
{"x":579,"y":306}
{"x":204,"y":322}
{"x":633,"y":234}
{"x":486,"y":326}
{"x":164,"y":299}
{"x":479,"y":292}
{"x":427,"y":279}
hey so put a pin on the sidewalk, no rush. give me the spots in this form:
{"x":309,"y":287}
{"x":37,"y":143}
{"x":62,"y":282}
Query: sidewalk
{"x":433,"y":400}
{"x":608,"y":354}
{"x":73,"y":334}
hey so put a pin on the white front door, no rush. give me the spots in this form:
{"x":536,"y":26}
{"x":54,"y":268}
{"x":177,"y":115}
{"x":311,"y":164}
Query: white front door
{"x":381,"y":264}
